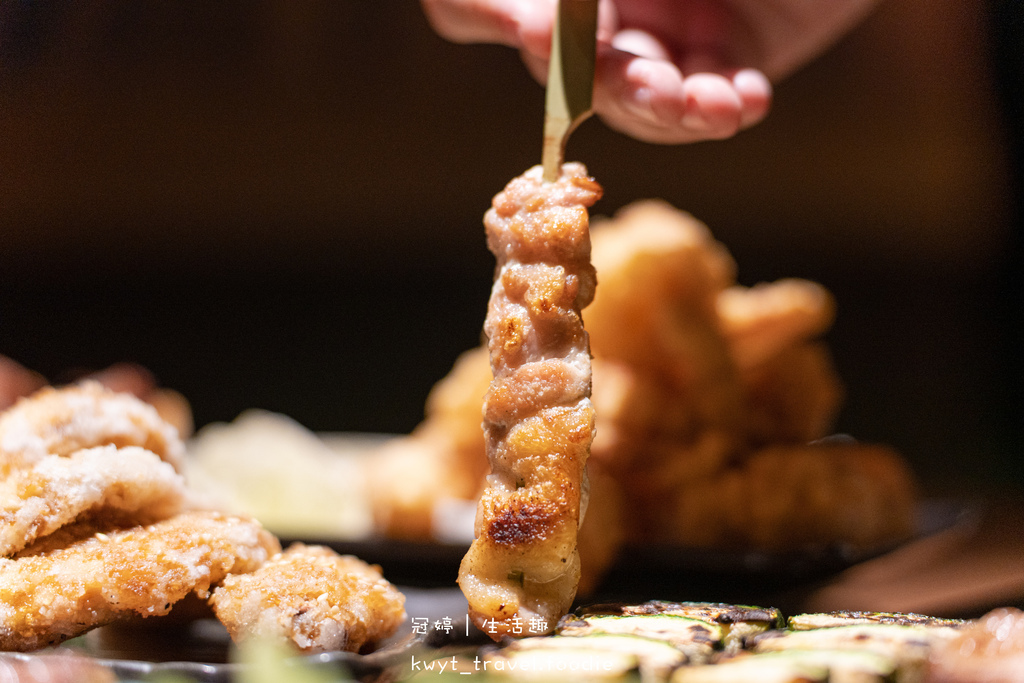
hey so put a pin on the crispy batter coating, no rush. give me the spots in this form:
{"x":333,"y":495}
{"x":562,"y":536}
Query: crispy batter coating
{"x":763,"y":320}
{"x":408,"y":477}
{"x":455,"y":409}
{"x":793,"y":397}
{"x":312,"y":598}
{"x":62,"y":421}
{"x":787,"y":497}
{"x":87,"y":574}
{"x":131,"y":482}
{"x":656,"y":310}
{"x":132,"y":378}
{"x":524,"y":566}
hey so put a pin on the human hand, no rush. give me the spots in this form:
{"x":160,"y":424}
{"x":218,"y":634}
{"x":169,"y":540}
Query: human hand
{"x":668,"y":71}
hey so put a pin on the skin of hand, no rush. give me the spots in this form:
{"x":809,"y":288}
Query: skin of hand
{"x":668,"y":71}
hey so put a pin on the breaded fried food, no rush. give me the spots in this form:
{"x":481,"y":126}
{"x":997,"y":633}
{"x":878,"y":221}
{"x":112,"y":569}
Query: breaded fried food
{"x":87,"y":574}
{"x":661,"y":273}
{"x":793,"y":397}
{"x":312,"y":598}
{"x":63,"y":421}
{"x":762,"y":320}
{"x":134,"y":379}
{"x":786,"y":497}
{"x":524,"y":565}
{"x":129,"y":483}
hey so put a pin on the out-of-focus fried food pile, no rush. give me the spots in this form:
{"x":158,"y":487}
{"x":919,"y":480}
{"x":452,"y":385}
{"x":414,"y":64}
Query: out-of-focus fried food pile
{"x":98,"y":526}
{"x":711,"y":399}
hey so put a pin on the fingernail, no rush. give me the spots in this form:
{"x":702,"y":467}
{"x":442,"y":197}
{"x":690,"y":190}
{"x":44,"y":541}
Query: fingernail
{"x":640,"y":104}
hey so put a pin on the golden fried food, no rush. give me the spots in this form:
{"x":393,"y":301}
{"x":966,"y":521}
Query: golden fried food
{"x":132,"y":378}
{"x":408,"y":478}
{"x":88,"y":574}
{"x":312,"y":598}
{"x":62,"y":421}
{"x":787,"y":497}
{"x":761,"y":321}
{"x":793,"y":397}
{"x":640,"y":404}
{"x":130,"y":483}
{"x":455,"y":409}
{"x":524,"y":566}
{"x":656,"y":311}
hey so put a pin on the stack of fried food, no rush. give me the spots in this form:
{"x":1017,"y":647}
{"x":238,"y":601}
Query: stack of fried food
{"x":712,"y":403}
{"x":97,"y":526}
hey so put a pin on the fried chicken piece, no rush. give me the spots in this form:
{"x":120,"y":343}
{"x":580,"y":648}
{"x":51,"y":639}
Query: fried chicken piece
{"x":131,"y":482}
{"x":649,"y":434}
{"x":132,"y":378}
{"x":641,"y":406}
{"x":524,"y":565}
{"x":455,"y":408}
{"x":312,"y":598}
{"x":656,"y":310}
{"x":794,"y":397}
{"x":62,"y":421}
{"x":88,"y":574}
{"x":785,"y":497}
{"x":763,"y":320}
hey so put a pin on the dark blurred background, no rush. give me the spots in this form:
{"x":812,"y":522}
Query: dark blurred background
{"x":278,"y":204}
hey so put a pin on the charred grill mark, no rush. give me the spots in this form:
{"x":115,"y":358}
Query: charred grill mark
{"x":516,"y":526}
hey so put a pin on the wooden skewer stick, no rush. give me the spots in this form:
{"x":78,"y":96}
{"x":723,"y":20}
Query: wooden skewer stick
{"x":570,"y":88}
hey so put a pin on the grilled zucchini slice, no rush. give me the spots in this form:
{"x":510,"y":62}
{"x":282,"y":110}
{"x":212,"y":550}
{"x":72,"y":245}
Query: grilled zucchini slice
{"x":804,"y":622}
{"x":906,"y":646}
{"x":558,"y":664}
{"x":738,"y":622}
{"x":754,"y":669}
{"x":657,"y":659}
{"x":696,"y":639}
{"x":834,"y":666}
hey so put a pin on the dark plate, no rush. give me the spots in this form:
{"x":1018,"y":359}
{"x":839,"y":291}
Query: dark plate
{"x":200,"y":651}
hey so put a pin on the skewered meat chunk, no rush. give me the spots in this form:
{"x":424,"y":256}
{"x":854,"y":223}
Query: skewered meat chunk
{"x":524,"y":565}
